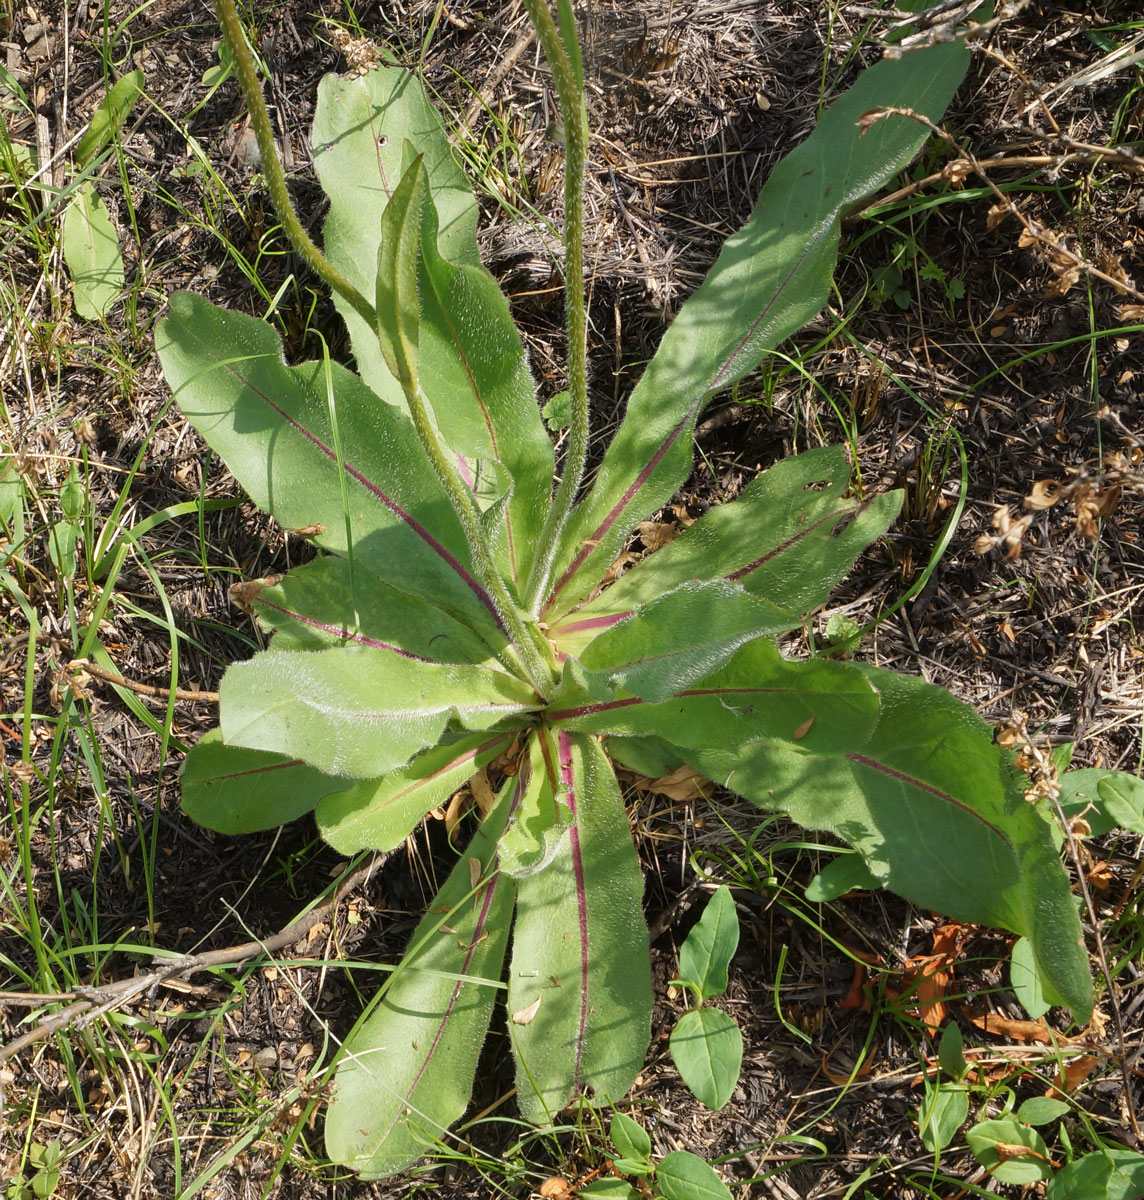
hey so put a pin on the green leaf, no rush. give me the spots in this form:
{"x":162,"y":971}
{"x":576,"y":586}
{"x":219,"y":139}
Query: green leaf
{"x":707,"y":1049}
{"x":788,"y":538}
{"x":1106,"y":800}
{"x":109,"y":116}
{"x":378,"y":814}
{"x":673,"y":641}
{"x":770,"y":279}
{"x":1025,"y":981}
{"x":91,"y":251}
{"x":942,"y":1113}
{"x":647,"y":756}
{"x":929,"y":803}
{"x":579,"y":997}
{"x":398,"y":305}
{"x":844,"y":873}
{"x":317,"y":606}
{"x":1110,"y":1174}
{"x":682,"y":1175}
{"x":987,"y":1138}
{"x":708,"y":949}
{"x":233,"y":790}
{"x":951,"y":1052}
{"x":537,"y":823}
{"x":72,"y":496}
{"x":1041,"y":1110}
{"x":630,"y":1138}
{"x":361,"y":127}
{"x":821,"y":706}
{"x":407,"y":1069}
{"x":271,"y":424}
{"x":475,"y":373}
{"x":612,"y":1189}
{"x":358,"y":711}
{"x":63,"y":537}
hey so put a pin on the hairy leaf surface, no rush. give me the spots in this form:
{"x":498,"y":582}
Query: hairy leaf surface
{"x":787,"y":539}
{"x":234,"y":790}
{"x":358,"y":711}
{"x":408,"y":1068}
{"x":271,"y":424}
{"x":580,"y":969}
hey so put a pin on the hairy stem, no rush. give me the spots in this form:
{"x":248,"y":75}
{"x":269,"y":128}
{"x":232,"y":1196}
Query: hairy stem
{"x":272,"y":166}
{"x":570,"y":95}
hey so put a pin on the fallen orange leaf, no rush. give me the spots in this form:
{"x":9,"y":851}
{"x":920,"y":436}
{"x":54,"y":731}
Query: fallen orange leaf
{"x":840,"y":1080}
{"x":1076,"y":1071}
{"x":1019,"y":1031}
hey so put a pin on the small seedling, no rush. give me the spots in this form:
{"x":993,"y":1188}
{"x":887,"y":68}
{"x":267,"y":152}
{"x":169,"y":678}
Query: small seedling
{"x":706,"y":1044}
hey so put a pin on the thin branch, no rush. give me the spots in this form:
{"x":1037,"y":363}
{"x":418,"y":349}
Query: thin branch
{"x":89,"y":1003}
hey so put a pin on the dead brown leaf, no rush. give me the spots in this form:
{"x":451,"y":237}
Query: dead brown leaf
{"x":1076,"y":1071}
{"x":683,"y":784}
{"x":1015,"y":1030}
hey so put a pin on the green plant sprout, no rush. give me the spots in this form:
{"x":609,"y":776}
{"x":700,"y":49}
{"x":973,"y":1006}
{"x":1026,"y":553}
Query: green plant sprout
{"x":706,"y":1045}
{"x":459,"y":618}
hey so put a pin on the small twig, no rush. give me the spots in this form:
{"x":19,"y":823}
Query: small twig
{"x":1034,"y":231}
{"x":86,"y":666}
{"x":93,"y":1002}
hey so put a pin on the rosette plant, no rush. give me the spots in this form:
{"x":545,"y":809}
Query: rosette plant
{"x":460,"y":616}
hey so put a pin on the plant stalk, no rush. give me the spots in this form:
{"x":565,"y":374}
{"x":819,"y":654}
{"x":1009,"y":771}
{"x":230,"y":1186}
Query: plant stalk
{"x":570,"y":96}
{"x":272,"y":166}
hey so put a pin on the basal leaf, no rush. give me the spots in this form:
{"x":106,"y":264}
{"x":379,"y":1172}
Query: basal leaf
{"x":407,"y":1070}
{"x":707,"y":1049}
{"x":91,"y":251}
{"x":579,"y":997}
{"x":674,"y":640}
{"x":534,"y":830}
{"x":930,"y":805}
{"x":271,"y":424}
{"x":770,"y":279}
{"x":788,"y":539}
{"x":1111,"y":1173}
{"x":357,"y":711}
{"x":823,"y":706}
{"x":377,"y":814}
{"x":234,"y":790}
{"x":708,"y":949}
{"x":474,"y":368}
{"x":317,"y":606}
{"x":361,"y":126}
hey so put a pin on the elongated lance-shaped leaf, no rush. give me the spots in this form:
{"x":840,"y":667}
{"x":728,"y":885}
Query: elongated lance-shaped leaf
{"x":579,"y":996}
{"x":315,"y":607}
{"x":770,"y":279}
{"x":788,"y":539}
{"x":474,"y":367}
{"x":706,"y":953}
{"x":234,"y":790}
{"x":475,"y":372}
{"x":408,"y":1069}
{"x":938,"y":817}
{"x":398,"y":306}
{"x":361,"y":127}
{"x":271,"y":425}
{"x":675,"y":640}
{"x":377,"y":814}
{"x":353,"y":710}
{"x":828,"y":707}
